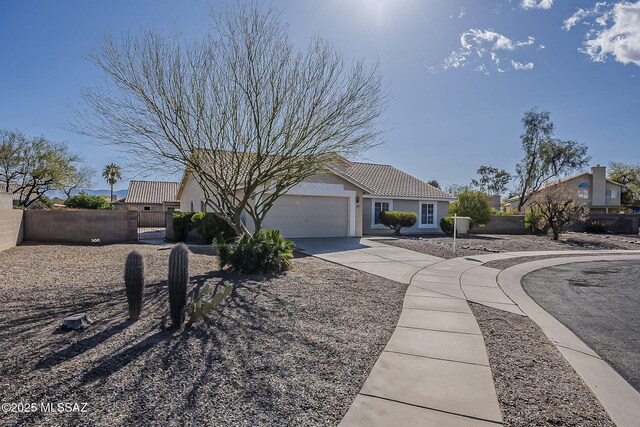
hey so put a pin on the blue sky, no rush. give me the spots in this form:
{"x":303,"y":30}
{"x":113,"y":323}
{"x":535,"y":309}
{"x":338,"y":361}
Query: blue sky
{"x":456,"y":96}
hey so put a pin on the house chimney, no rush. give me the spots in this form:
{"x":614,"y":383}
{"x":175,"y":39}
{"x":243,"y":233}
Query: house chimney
{"x":598,"y":185}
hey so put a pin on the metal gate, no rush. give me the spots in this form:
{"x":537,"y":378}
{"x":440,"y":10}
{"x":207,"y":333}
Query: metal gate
{"x":152,"y":225}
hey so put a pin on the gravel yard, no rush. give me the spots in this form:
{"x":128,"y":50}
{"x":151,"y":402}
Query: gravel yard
{"x":442,"y":246}
{"x":285,"y":350}
{"x":535,"y":385}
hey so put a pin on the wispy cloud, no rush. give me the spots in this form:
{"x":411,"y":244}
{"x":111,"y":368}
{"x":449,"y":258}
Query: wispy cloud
{"x":533,"y":4}
{"x":463,"y":11}
{"x":520,"y":66}
{"x":613,"y":30}
{"x":485,"y":50}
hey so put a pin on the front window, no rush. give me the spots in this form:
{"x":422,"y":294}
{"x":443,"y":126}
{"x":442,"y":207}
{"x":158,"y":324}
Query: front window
{"x":583,"y":193}
{"x":427,"y":216}
{"x":611,"y":194}
{"x":377,"y":208}
{"x":203,"y":206}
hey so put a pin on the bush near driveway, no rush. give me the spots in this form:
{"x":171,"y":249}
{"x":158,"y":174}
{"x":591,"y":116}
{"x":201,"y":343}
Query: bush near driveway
{"x":264,"y":252}
{"x":210,"y":227}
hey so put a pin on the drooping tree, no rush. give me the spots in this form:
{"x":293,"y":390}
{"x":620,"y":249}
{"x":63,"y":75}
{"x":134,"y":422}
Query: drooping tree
{"x":491,"y":180}
{"x":243,"y":110}
{"x":545,"y":157}
{"x":112,"y":174}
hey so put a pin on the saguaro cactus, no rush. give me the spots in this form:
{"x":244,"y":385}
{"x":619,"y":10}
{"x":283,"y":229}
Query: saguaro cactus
{"x":134,"y":283}
{"x":178,"y":280}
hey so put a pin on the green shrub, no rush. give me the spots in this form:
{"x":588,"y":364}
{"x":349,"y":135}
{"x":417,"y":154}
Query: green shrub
{"x":446,"y":225}
{"x":211,"y":227}
{"x":264,"y":252}
{"x":397,"y":220}
{"x":87,"y":201}
{"x":474,"y":204}
{"x":182,"y":225}
{"x":533,"y":220}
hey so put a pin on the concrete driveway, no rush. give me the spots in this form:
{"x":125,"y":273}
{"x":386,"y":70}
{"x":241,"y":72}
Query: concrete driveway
{"x":367,"y":255}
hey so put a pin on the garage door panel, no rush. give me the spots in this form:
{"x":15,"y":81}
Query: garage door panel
{"x":308,"y":216}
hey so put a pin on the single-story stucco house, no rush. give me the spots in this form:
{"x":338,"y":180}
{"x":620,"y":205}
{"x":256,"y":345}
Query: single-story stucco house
{"x":154,"y":196}
{"x":592,"y":189}
{"x":346,"y":200}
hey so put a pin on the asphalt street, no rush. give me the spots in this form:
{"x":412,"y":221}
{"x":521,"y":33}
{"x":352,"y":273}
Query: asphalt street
{"x":600,"y":303}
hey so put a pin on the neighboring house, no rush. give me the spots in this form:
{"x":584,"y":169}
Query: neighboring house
{"x":593,"y":189}
{"x":346,"y":200}
{"x":155,"y":196}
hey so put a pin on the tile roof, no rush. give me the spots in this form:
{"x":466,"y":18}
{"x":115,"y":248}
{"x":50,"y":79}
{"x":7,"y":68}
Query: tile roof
{"x":152,"y":192}
{"x":385,"y":180}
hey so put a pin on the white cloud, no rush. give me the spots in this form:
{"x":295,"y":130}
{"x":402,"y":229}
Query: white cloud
{"x":484,"y":50}
{"x":520,"y":66}
{"x":614,"y":30}
{"x":533,"y":4}
{"x":582,"y":14}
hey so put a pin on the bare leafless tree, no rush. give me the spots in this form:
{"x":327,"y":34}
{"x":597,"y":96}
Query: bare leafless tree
{"x":244,"y":111}
{"x":558,"y":208}
{"x":79,"y":179}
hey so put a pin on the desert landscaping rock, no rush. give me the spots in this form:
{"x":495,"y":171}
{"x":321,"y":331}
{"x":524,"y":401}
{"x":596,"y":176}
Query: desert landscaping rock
{"x":536,"y":386}
{"x":482,"y":244}
{"x":293,"y":349}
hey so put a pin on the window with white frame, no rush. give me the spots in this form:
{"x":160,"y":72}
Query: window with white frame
{"x":380,"y":206}
{"x":583,"y":193}
{"x":611,"y":194}
{"x":427,"y":214}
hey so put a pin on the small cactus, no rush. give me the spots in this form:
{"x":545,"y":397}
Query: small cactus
{"x":134,"y":283}
{"x":203,"y":302}
{"x":178,"y":280}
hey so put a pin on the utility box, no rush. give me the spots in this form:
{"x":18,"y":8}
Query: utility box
{"x":463,"y":224}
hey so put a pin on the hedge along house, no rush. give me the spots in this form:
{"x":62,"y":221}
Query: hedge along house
{"x":344,"y":201}
{"x":592,"y":189}
{"x":154,"y":196}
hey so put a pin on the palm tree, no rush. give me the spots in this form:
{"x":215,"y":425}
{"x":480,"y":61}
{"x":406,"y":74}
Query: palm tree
{"x":111,"y":173}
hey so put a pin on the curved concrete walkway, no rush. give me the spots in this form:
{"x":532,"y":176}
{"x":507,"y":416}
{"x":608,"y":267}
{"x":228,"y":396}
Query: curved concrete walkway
{"x":435,"y":369}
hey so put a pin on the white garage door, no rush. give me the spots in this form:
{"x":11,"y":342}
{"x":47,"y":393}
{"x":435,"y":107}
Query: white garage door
{"x":309,"y":216}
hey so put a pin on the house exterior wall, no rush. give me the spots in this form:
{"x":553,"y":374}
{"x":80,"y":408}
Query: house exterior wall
{"x":598,"y":185}
{"x":193,"y":193}
{"x":11,"y":228}
{"x":442,"y":210}
{"x":6,"y":201}
{"x":154,"y":207}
